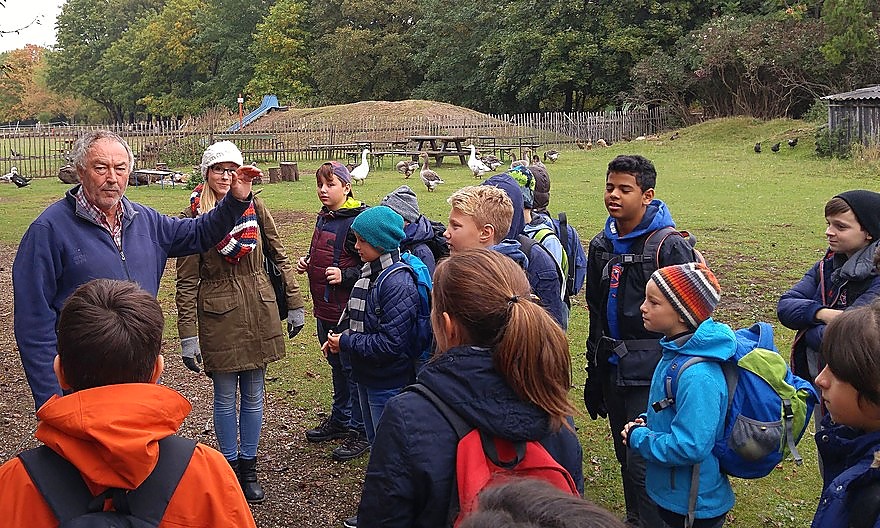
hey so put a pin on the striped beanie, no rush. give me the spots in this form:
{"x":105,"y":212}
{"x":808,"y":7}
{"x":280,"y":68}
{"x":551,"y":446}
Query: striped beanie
{"x":691,"y":288}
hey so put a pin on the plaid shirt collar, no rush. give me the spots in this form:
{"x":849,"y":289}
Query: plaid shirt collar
{"x":88,"y":209}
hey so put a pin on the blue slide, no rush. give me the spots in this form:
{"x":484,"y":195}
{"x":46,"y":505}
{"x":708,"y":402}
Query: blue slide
{"x":269,"y":102}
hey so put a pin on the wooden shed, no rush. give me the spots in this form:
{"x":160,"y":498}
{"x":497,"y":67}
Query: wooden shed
{"x":855,"y":116}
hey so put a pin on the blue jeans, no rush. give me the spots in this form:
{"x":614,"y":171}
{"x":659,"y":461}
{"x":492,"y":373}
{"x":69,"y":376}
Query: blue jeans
{"x":346,"y":405}
{"x":248,"y":423}
{"x":372,"y":404}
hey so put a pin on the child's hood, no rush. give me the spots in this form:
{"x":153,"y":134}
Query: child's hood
{"x":505,"y":182}
{"x":711,"y":340}
{"x":350,"y":207}
{"x":512,"y":249}
{"x":657,"y":216}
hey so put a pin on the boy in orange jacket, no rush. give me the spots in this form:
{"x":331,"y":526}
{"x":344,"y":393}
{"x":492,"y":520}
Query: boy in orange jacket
{"x":110,"y":425}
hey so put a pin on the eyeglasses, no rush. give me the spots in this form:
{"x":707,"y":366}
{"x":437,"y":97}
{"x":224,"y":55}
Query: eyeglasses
{"x":218,"y":170}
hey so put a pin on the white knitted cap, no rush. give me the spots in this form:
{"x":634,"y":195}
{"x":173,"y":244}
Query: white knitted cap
{"x":220,"y":152}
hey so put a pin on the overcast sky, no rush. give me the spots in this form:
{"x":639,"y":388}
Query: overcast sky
{"x":18,"y":13}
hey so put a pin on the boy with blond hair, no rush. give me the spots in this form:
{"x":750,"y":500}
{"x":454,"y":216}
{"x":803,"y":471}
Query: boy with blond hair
{"x":485,"y":217}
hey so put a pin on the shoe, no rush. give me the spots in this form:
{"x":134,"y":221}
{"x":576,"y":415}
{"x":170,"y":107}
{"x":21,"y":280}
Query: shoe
{"x":247,"y":477}
{"x":329,"y":429}
{"x":354,"y":446}
{"x":351,"y":522}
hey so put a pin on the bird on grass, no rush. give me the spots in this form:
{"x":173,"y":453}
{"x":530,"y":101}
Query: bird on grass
{"x":492,"y":161}
{"x":792,"y":142}
{"x":359,"y":173}
{"x":15,"y":154}
{"x":551,"y":155}
{"x":14,"y":177}
{"x":758,"y":147}
{"x":406,"y":167}
{"x":674,"y":137}
{"x":429,"y":177}
{"x":775,"y":147}
{"x":475,"y":164}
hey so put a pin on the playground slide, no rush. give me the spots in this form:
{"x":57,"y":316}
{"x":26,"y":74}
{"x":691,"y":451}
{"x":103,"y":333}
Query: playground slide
{"x":269,"y":102}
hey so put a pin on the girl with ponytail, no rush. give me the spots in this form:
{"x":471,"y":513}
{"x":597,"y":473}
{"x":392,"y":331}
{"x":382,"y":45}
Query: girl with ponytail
{"x":502,"y":363}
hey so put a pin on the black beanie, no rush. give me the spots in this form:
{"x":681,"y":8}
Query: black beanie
{"x":866,"y":207}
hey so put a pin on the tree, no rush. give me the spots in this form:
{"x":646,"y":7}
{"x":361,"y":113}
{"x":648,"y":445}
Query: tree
{"x":24,"y":94}
{"x":86,"y":29}
{"x":367,"y":54}
{"x":280,"y":52}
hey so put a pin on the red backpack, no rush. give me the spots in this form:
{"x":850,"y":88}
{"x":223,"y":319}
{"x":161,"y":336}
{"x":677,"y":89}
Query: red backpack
{"x":483,"y":460}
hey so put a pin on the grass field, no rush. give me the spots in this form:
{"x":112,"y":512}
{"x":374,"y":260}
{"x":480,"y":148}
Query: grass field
{"x":758,"y":219}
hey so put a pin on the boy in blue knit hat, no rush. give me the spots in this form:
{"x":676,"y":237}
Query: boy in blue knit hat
{"x":379,"y":324}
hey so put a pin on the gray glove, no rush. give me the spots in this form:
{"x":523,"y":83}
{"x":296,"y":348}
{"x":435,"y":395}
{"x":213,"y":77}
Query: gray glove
{"x":192,"y":354}
{"x":296,"y":319}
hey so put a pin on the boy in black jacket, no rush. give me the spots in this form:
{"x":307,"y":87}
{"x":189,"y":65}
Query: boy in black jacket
{"x":621,"y":354}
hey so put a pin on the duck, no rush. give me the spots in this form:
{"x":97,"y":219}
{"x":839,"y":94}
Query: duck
{"x":359,"y":173}
{"x":536,"y":162}
{"x":551,"y":155}
{"x":792,"y":142}
{"x":601,"y":142}
{"x":406,"y":167}
{"x":429,"y":177}
{"x":775,"y":147}
{"x":492,"y":161}
{"x":475,"y":164}
{"x":580,"y":143}
{"x":758,"y":147}
{"x":527,"y":158}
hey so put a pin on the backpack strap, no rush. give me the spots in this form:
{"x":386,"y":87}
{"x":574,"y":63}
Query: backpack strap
{"x":527,"y":243}
{"x":66,"y":493}
{"x":461,"y":429}
{"x":679,"y":364}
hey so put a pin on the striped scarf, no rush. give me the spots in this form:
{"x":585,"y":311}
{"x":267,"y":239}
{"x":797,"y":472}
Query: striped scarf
{"x":243,"y":237}
{"x":355,"y":311}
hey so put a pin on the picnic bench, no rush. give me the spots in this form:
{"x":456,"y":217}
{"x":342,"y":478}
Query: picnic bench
{"x":448,"y":146}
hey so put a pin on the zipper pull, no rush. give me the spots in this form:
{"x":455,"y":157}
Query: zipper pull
{"x":122,"y":254}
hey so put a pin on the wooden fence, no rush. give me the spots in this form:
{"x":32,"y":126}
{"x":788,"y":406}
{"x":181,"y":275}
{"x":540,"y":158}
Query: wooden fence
{"x":39,"y":151}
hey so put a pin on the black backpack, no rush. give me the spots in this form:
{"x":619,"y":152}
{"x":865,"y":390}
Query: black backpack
{"x":64,"y":490}
{"x":437,"y":244}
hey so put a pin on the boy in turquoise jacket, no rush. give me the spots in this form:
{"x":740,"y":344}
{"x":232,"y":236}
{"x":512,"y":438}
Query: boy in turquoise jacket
{"x":678,"y":303}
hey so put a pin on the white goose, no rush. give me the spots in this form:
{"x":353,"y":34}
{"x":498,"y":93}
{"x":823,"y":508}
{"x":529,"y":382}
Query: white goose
{"x":359,"y":173}
{"x":429,"y":177}
{"x":476,"y":165}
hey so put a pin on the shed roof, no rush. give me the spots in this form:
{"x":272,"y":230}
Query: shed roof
{"x":870,"y":92}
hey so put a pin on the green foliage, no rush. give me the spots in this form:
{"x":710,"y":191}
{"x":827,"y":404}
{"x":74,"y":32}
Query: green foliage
{"x":280,"y":53}
{"x":831,"y":143}
{"x":817,"y":113}
{"x":194,"y":180}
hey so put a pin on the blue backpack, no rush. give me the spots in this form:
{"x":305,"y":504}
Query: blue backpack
{"x":424,"y":343}
{"x":768,"y":407}
{"x":574,"y":251}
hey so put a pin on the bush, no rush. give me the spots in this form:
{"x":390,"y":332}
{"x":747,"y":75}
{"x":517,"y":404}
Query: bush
{"x":817,"y":113}
{"x":832,"y":143}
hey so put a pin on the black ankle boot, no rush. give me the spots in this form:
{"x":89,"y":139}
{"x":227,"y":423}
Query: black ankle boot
{"x":247,"y":477}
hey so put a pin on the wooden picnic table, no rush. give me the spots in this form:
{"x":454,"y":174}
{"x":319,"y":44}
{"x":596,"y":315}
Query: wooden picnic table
{"x":448,"y":146}
{"x":335,"y":150}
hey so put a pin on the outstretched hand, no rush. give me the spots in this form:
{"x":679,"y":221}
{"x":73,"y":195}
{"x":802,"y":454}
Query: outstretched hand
{"x":242,"y":183}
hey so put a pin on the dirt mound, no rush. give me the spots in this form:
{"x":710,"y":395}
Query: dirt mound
{"x":377,"y":110}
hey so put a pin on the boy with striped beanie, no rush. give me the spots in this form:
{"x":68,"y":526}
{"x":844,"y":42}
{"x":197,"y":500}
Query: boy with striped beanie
{"x":674,"y":439}
{"x":691,"y":288}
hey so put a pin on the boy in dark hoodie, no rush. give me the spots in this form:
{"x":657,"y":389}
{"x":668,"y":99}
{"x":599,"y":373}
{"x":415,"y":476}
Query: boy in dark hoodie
{"x":621,"y":353}
{"x":540,"y":265}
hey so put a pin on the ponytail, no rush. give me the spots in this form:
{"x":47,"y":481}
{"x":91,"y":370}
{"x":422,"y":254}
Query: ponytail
{"x":529,"y":349}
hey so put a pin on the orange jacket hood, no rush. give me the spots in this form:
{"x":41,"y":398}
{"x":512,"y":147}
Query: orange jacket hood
{"x":111,"y":433}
